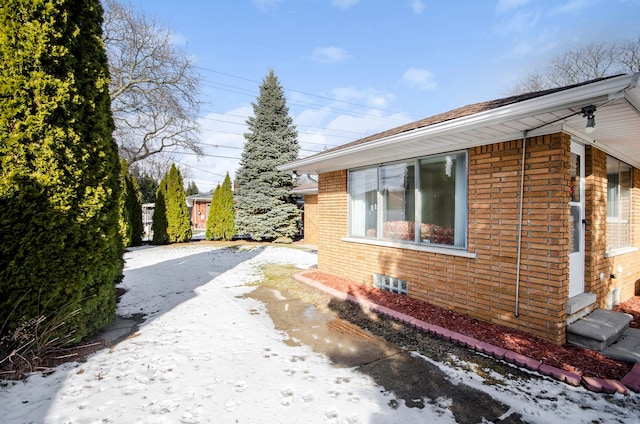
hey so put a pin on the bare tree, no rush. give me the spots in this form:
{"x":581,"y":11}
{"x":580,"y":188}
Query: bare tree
{"x":154,"y":86}
{"x":630,"y":55}
{"x":594,"y":60}
{"x":535,"y":81}
{"x":591,"y":61}
{"x":156,"y":166}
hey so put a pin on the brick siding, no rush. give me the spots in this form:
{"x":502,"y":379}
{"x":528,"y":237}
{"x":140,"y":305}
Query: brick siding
{"x":311,"y":218}
{"x":485,"y":287}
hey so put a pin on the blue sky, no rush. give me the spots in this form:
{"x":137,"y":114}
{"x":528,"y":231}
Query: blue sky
{"x":351,"y":68}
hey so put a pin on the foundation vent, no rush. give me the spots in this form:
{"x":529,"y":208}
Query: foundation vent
{"x":392,"y":284}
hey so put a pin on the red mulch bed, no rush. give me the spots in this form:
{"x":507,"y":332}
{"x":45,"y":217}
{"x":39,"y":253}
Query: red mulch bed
{"x":568,"y":357}
{"x":632,"y":307}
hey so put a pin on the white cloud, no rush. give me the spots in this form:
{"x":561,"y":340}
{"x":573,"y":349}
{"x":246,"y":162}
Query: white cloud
{"x":519,"y":23}
{"x":529,"y":46}
{"x":573,"y":6}
{"x":344,"y":4}
{"x":177,"y":39}
{"x":507,"y":5}
{"x":266,"y":4}
{"x":329,"y":54}
{"x":368,"y":97}
{"x":417,"y":6}
{"x":421,"y":79}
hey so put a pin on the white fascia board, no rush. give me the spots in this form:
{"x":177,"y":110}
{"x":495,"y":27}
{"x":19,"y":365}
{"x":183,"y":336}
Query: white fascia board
{"x":574,"y":97}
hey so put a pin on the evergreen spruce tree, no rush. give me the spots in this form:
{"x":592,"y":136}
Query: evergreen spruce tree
{"x":130,"y":208}
{"x":192,"y":188}
{"x":221,"y":220}
{"x":148,"y":187}
{"x":265,"y":208}
{"x":61,"y":253}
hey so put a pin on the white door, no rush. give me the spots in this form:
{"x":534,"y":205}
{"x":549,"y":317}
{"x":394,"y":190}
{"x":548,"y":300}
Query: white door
{"x":576,"y":221}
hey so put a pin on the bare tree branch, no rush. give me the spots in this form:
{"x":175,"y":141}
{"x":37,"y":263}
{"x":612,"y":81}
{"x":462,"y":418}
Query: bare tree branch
{"x":591,"y":61}
{"x":154,"y":86}
{"x":630,"y":55}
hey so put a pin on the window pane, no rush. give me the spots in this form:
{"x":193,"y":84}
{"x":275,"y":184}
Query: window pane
{"x":363,"y":209}
{"x":618,"y":204}
{"x":415,"y":201}
{"x":397,"y":185}
{"x":438,"y":198}
{"x":574,"y":229}
{"x":575,"y":178}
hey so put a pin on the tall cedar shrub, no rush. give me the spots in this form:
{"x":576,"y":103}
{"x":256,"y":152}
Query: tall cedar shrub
{"x":59,"y":168}
{"x":179,"y":223}
{"x":221,"y":219}
{"x":211,"y":232}
{"x":171,"y":223}
{"x":265,"y":207}
{"x":131,"y":227}
{"x":159,"y":224}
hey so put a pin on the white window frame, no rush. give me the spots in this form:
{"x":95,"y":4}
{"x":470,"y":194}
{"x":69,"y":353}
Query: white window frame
{"x":627,"y":247}
{"x":459,"y":248}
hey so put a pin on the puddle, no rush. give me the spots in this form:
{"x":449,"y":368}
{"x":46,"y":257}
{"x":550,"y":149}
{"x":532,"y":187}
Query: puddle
{"x":347,"y":345}
{"x":410,"y":378}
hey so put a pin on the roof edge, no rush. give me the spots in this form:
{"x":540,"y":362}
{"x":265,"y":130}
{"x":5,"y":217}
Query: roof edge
{"x":575,"y":95}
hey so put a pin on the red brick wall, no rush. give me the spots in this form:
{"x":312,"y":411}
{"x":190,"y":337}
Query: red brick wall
{"x":199,"y":221}
{"x":483,"y":287}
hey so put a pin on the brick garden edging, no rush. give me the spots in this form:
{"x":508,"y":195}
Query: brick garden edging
{"x":631,"y":381}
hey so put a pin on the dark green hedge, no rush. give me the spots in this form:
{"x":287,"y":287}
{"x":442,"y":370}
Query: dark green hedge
{"x":59,"y":168}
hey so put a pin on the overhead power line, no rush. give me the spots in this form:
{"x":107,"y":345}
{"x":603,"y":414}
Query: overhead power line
{"x":244,"y":91}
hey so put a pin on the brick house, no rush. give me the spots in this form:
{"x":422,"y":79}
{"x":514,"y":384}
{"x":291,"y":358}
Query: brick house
{"x":198,"y":207}
{"x":457,"y":211}
{"x":310,"y":218}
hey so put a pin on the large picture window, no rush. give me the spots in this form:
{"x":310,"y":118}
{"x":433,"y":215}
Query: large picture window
{"x":421,"y":201}
{"x":618,"y":204}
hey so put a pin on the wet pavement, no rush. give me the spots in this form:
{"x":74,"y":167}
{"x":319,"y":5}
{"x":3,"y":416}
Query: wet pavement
{"x":407,"y":377}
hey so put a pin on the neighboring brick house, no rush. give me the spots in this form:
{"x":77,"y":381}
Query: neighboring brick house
{"x":310,"y":217}
{"x":198,"y":206}
{"x":445,"y":210}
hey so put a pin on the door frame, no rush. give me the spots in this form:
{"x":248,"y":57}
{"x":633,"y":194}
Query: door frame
{"x":577,"y":223}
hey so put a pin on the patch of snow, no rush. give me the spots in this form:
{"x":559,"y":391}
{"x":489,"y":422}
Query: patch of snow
{"x":203,"y":357}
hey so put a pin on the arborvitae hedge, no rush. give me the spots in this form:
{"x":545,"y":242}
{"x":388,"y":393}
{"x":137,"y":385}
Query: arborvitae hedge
{"x":179,"y":228}
{"x":131,"y":227}
{"x":211,"y":233}
{"x":59,"y":168}
{"x":221,"y":223}
{"x":171,"y":223}
{"x":160,"y":224}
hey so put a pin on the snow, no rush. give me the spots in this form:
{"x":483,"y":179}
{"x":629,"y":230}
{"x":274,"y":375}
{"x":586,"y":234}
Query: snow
{"x":203,"y":356}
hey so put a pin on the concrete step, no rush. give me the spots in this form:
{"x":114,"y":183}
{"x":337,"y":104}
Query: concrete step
{"x":599,"y":329}
{"x":626,"y":348}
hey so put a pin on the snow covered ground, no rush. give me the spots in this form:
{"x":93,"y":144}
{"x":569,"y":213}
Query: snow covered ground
{"x":204,"y":355}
